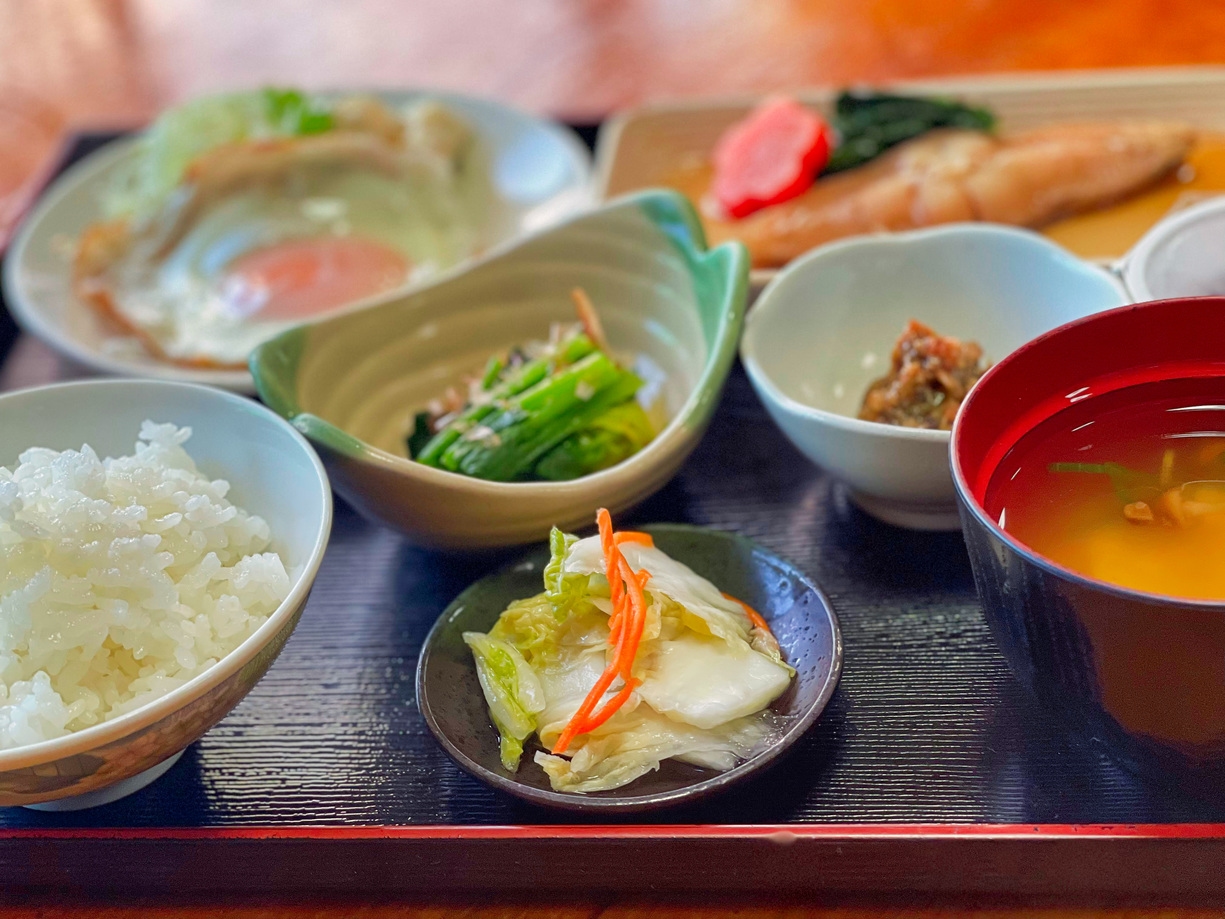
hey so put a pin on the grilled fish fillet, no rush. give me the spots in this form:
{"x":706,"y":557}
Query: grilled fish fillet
{"x":1025,"y":179}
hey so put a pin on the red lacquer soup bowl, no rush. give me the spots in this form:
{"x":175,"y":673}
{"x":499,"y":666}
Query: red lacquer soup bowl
{"x":1140,"y":672}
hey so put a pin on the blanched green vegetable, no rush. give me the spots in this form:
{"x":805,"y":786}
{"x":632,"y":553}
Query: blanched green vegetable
{"x":870,"y":123}
{"x":617,"y":434}
{"x":421,"y":434}
{"x":508,"y":441}
{"x":509,"y":383}
{"x":556,"y":417}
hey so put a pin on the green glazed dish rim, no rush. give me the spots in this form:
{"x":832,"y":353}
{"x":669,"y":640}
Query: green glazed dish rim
{"x":720,"y":277}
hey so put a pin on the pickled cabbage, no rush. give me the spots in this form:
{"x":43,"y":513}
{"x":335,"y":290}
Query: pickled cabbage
{"x":705,"y":676}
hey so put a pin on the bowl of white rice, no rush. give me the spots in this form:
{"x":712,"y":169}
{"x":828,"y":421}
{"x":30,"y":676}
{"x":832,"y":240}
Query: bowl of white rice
{"x":157,"y":545}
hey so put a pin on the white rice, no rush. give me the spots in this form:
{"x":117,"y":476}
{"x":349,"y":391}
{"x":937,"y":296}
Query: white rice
{"x":120,"y":580}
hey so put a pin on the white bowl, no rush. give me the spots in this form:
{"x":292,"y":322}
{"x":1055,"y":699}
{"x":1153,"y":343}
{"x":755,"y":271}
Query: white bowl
{"x":824,"y":329}
{"x":1181,"y":256}
{"x":541,"y":173}
{"x":273,"y":472}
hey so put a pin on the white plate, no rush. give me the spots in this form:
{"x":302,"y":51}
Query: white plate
{"x":540,"y":170}
{"x":642,"y":148}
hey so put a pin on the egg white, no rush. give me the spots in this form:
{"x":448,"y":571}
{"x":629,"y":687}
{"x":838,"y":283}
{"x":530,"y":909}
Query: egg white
{"x":180,"y":300}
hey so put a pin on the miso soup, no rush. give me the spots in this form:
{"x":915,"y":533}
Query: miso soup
{"x":1126,"y":487}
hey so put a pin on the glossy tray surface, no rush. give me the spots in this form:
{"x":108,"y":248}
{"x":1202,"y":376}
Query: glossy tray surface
{"x":927,"y":726}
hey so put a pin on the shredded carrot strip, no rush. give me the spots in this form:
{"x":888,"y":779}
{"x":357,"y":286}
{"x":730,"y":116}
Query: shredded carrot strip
{"x":754,"y":616}
{"x":608,"y":543}
{"x":589,"y":318}
{"x":625,"y":627}
{"x":628,"y":649}
{"x":634,"y":536}
{"x":575,"y":726}
{"x":611,"y":708}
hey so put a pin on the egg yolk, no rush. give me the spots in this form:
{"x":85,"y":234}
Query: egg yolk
{"x":298,"y":278}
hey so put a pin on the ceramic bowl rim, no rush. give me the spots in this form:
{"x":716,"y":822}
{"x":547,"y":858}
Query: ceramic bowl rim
{"x":574,"y":801}
{"x":719,"y":357}
{"x":1135,"y":263}
{"x":971,"y":505}
{"x":237,"y":379}
{"x":153,"y":711}
{"x":765,"y":308}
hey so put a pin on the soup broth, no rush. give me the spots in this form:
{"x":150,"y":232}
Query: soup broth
{"x":1126,"y":487}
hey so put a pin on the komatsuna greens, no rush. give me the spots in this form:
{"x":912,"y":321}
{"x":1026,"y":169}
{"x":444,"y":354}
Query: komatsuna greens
{"x":553,"y":411}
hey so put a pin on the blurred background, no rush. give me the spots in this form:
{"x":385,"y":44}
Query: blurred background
{"x":106,"y":63}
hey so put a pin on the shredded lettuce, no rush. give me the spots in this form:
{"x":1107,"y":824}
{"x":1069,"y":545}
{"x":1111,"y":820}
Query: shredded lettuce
{"x":512,"y":691}
{"x":185,"y":132}
{"x":295,"y":114}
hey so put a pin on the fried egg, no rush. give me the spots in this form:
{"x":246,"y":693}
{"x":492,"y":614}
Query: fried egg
{"x":263,"y":235}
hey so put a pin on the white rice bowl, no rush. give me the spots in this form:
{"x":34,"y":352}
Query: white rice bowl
{"x":120,"y":580}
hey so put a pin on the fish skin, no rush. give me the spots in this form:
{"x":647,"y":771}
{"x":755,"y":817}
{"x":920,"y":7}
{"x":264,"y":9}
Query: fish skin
{"x":1027,"y":179}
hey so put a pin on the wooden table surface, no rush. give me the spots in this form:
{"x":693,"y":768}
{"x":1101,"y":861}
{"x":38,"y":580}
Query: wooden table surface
{"x":77,"y":63}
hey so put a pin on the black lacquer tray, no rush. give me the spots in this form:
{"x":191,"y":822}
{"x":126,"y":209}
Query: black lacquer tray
{"x":928,"y":772}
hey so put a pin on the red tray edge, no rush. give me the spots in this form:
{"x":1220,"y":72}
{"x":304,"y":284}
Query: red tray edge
{"x":779,"y":833}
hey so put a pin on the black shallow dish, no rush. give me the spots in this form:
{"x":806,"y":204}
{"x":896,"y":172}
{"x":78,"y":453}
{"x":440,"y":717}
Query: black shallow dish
{"x":451,"y":701}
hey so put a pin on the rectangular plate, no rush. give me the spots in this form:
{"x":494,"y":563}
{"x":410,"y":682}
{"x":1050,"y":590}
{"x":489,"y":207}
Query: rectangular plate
{"x":643,"y":147}
{"x":928,"y":760}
